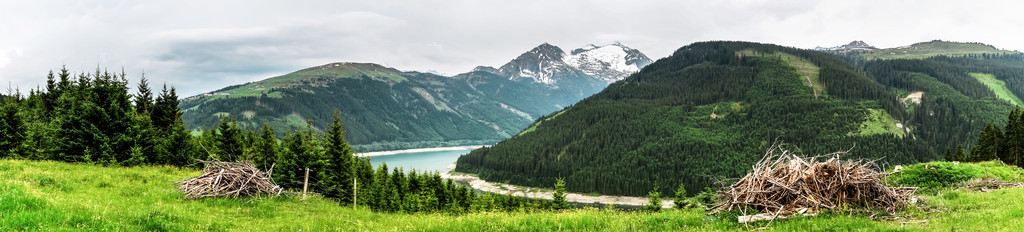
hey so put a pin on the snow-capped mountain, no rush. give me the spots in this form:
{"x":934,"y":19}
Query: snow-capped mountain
{"x":543,"y":64}
{"x":549,"y":64}
{"x":610,"y":62}
{"x":856,"y":45}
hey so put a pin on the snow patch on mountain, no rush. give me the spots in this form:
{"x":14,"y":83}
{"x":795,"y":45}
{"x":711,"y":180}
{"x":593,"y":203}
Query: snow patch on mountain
{"x":548,"y":63}
{"x":609,"y":63}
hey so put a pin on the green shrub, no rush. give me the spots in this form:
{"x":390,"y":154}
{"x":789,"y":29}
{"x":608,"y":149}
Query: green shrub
{"x":934,"y":175}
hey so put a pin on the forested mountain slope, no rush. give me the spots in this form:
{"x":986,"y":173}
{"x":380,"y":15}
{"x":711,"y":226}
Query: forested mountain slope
{"x":708,"y":111}
{"x":387,"y":109}
{"x":383,"y":108}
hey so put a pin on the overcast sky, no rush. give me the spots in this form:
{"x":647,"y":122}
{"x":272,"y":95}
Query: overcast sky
{"x":200,"y":46}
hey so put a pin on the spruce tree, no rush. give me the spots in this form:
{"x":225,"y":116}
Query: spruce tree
{"x":144,"y":99}
{"x":1013,"y":145}
{"x":960,"y":156}
{"x":680,"y":199}
{"x":558,"y":197}
{"x":264,"y":149}
{"x":653,"y":200}
{"x":229,"y":139}
{"x":339,"y":153}
{"x":12,"y":127}
{"x":988,"y":144}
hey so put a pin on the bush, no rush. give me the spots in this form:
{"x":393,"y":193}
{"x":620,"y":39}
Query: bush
{"x":931,"y":176}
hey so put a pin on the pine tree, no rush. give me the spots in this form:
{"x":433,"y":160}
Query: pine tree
{"x":264,"y":149}
{"x":1013,"y":145}
{"x":165,"y":108}
{"x":948,"y":155}
{"x":680,"y":199}
{"x":653,"y":200}
{"x":12,"y":127}
{"x":558,"y":197}
{"x":988,"y":144}
{"x":340,"y":154}
{"x":960,"y":155}
{"x":144,"y":99}
{"x":180,"y":145}
{"x":229,"y":139}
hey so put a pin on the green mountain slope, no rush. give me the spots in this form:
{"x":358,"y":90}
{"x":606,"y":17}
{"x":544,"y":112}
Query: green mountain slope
{"x":702,"y":114}
{"x":708,"y":111}
{"x":387,"y":109}
{"x":383,"y":108}
{"x":934,"y":48}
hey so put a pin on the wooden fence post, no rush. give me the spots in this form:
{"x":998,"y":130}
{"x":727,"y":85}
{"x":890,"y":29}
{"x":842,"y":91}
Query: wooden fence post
{"x":305,"y":184}
{"x":355,"y":194}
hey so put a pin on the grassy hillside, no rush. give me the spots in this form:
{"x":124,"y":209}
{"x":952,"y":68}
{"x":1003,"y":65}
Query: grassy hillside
{"x":998,"y":87}
{"x":53,"y":196}
{"x":933,"y":48}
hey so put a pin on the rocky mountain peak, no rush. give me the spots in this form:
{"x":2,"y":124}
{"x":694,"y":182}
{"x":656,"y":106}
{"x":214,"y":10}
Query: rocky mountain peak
{"x":547,"y":63}
{"x":852,"y":46}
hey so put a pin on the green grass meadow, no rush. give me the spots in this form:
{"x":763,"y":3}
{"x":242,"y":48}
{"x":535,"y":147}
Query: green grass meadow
{"x":997,"y":86}
{"x":54,"y":196}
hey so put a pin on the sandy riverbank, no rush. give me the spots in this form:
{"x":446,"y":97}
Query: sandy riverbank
{"x":537,"y":193}
{"x":379,"y":153}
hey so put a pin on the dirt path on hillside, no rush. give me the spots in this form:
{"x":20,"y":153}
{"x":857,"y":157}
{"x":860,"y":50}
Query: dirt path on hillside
{"x":914,"y":97}
{"x":537,"y":193}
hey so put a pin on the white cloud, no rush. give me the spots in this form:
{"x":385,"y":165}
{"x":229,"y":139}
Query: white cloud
{"x":200,"y":46}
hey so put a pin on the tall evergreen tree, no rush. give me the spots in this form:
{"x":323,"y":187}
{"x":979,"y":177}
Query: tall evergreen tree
{"x":165,"y":108}
{"x":229,"y":140}
{"x":264,"y":148}
{"x":144,"y":99}
{"x":1013,"y":145}
{"x":988,"y":144}
{"x":960,"y":154}
{"x":342,"y":172}
{"x":12,"y":127}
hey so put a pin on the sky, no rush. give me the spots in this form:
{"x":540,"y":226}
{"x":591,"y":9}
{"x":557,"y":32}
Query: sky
{"x":201,"y":46}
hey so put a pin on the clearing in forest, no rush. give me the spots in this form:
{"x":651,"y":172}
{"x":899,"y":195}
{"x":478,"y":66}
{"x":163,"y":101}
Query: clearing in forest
{"x":997,"y":86}
{"x":880,"y":122}
{"x":807,"y":69}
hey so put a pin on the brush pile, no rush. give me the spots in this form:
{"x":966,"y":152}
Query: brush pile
{"x":988,"y":184}
{"x":783,"y":184}
{"x":229,"y":179}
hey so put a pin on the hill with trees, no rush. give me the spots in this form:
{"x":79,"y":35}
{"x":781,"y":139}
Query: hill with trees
{"x":708,"y":111}
{"x":388,"y":109}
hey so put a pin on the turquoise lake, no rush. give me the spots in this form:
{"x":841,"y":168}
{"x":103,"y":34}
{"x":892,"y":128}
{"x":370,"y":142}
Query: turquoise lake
{"x":430,"y":161}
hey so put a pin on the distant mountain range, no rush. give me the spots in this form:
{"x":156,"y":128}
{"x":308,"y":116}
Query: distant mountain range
{"x":384,"y":108}
{"x":709,"y":111}
{"x":917,"y":50}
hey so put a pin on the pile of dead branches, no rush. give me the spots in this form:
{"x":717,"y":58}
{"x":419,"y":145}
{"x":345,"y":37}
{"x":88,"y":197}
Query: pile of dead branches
{"x":988,"y":184}
{"x":783,"y":183}
{"x":229,"y":179}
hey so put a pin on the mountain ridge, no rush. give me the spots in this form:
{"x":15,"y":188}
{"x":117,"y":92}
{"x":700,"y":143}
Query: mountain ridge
{"x":387,"y":109}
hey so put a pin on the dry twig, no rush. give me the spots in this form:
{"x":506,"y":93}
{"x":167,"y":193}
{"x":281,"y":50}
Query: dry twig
{"x":228,"y":179}
{"x":782,"y":184}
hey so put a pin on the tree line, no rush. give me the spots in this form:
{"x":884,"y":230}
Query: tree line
{"x":1004,"y":143}
{"x":92,"y":118}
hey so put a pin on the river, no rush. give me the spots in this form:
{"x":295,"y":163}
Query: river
{"x":424,"y":161}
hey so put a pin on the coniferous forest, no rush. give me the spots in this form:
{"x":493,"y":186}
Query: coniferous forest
{"x":707,"y":112}
{"x":92,"y":118}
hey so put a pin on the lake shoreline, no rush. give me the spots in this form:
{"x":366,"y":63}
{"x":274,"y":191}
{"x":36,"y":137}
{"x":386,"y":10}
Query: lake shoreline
{"x":429,"y":149}
{"x":542,"y":193}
